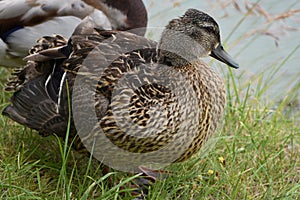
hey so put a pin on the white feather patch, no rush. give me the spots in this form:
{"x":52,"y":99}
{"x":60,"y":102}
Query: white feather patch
{"x":63,"y":78}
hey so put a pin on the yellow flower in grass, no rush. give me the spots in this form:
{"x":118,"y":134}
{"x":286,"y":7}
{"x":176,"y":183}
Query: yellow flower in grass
{"x":222,"y":160}
{"x":210,"y":172}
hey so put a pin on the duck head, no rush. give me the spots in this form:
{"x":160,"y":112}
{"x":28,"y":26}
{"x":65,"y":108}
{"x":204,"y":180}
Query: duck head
{"x":194,"y":35}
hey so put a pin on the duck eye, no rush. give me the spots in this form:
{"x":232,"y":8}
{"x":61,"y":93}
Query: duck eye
{"x":211,"y":29}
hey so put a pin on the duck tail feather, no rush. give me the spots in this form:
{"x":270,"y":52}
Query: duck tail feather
{"x":31,"y":106}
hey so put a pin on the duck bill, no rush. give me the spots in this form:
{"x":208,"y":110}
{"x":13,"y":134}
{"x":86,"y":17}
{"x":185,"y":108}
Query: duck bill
{"x":220,"y":54}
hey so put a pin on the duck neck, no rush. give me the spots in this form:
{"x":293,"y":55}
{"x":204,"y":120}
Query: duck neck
{"x":178,"y":49}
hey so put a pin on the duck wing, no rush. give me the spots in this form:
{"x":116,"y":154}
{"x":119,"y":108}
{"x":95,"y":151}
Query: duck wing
{"x":36,"y":92}
{"x":35,"y":107}
{"x":41,"y":87}
{"x":99,"y":60}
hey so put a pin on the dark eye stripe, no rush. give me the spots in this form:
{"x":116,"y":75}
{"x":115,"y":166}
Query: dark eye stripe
{"x":212,"y":29}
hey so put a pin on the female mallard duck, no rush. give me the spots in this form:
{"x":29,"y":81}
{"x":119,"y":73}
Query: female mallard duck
{"x":22,"y":22}
{"x":133,"y":102}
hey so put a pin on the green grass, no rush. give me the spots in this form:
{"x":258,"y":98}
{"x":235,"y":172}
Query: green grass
{"x":259,"y":141}
{"x":257,"y":154}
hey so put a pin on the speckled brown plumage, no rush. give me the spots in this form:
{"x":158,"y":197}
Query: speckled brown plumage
{"x":144,"y":99}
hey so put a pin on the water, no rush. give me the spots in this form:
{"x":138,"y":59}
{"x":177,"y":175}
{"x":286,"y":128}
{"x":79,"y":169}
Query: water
{"x":265,"y":49}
